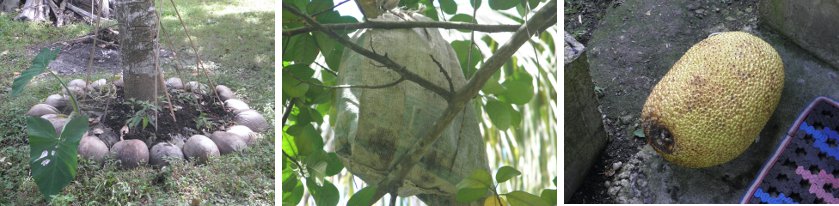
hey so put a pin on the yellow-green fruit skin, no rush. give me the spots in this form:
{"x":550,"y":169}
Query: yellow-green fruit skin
{"x":714,"y":101}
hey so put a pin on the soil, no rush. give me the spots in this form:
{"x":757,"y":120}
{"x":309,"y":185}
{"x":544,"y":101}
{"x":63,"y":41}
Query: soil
{"x":111,"y":113}
{"x":75,"y":54}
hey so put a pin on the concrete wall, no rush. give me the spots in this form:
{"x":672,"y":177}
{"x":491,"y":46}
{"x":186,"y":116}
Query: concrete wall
{"x":584,"y":133}
{"x":812,"y":24}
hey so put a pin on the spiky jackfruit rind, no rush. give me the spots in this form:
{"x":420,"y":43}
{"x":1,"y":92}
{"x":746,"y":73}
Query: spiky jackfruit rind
{"x":714,"y":101}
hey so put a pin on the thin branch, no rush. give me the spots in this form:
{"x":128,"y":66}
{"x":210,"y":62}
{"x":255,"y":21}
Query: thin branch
{"x":377,"y":24}
{"x":445,"y":74}
{"x":334,"y":73}
{"x":330,"y":9}
{"x":544,"y":18}
{"x":287,"y":111}
{"x":384,"y":60}
{"x":401,"y":78}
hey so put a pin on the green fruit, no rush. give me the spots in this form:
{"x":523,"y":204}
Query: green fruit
{"x":714,"y":101}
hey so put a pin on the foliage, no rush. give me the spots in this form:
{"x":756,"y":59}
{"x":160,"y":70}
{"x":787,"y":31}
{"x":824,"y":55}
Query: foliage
{"x":521,"y":92}
{"x":145,"y":113}
{"x":476,"y":186}
{"x":52,"y":156}
{"x":232,"y":36}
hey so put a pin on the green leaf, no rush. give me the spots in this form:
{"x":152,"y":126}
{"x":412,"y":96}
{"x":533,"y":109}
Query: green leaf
{"x":517,"y":198}
{"x":468,"y":65}
{"x":505,"y":173}
{"x":639,"y":133}
{"x":364,"y":196}
{"x":317,"y":6}
{"x":475,"y":3}
{"x":334,"y":165}
{"x":533,"y":3}
{"x":474,"y":187}
{"x":302,"y":49}
{"x":52,"y":157}
{"x":289,"y":178}
{"x":145,"y":122}
{"x":515,"y":118}
{"x":293,"y":87}
{"x":289,"y":145}
{"x":431,"y":10}
{"x":499,"y":113}
{"x":293,"y":195}
{"x":549,"y":196}
{"x":316,"y":164}
{"x":324,"y":195}
{"x":502,"y":4}
{"x":448,"y":6}
{"x":39,"y":65}
{"x":462,"y":18}
{"x":492,"y":86}
{"x":306,"y":138}
{"x":518,"y":92}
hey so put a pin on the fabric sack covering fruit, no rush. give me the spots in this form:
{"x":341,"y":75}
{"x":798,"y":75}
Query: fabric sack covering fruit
{"x":376,"y":127}
{"x":714,"y":101}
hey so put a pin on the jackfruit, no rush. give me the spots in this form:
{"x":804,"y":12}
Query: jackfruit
{"x":714,"y":101}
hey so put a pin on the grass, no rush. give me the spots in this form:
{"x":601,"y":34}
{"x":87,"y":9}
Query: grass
{"x":236,"y":37}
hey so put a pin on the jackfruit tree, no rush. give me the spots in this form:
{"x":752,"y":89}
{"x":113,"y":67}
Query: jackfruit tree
{"x":419,"y":100}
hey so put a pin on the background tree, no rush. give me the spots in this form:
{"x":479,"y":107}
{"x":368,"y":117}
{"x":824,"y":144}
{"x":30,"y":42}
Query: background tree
{"x":515,"y":102}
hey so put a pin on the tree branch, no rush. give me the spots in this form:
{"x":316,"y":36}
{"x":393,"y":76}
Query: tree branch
{"x":384,"y":60}
{"x":543,"y":19}
{"x":374,"y":24}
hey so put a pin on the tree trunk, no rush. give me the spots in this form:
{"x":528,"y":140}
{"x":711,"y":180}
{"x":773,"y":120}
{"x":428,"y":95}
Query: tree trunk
{"x":9,"y":5}
{"x":139,"y":46}
{"x":33,"y":10}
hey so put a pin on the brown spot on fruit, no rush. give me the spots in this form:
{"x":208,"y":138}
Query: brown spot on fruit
{"x":658,"y":136}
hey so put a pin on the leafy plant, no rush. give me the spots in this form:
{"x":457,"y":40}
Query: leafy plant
{"x":477,"y":185}
{"x":52,"y":157}
{"x":145,"y":114}
{"x":204,"y":122}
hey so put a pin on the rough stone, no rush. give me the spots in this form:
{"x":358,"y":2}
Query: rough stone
{"x":585,"y":136}
{"x":78,"y":92}
{"x":811,"y":24}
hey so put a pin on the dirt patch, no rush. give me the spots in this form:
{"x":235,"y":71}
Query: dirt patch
{"x":75,"y":55}
{"x":194,"y":114}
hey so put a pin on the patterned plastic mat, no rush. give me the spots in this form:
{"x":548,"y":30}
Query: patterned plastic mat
{"x":805,"y":167}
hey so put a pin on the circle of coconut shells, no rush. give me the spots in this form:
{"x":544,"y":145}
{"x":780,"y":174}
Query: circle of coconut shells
{"x":132,"y":153}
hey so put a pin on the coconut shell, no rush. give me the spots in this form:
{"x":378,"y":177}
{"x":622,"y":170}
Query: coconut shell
{"x":228,"y":142}
{"x":200,"y":148}
{"x":130,"y":153}
{"x":41,"y":110}
{"x":90,"y":147}
{"x":196,"y":87}
{"x":252,"y":120}
{"x":245,"y":133}
{"x":236,"y":106}
{"x":225,"y":93}
{"x":164,"y":152}
{"x":57,"y":120}
{"x":77,"y":83}
{"x":56,"y":100}
{"x":174,"y":83}
{"x":77,"y":91}
{"x":97,"y":85}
